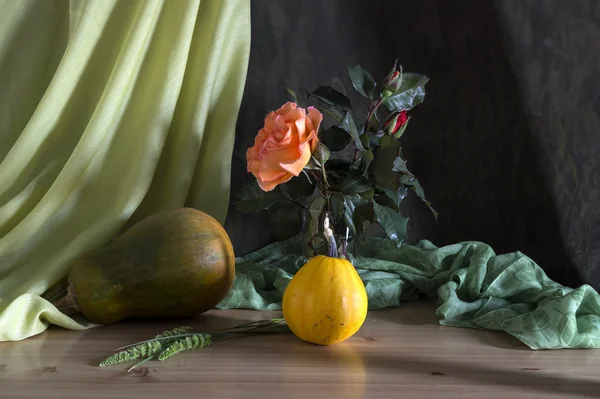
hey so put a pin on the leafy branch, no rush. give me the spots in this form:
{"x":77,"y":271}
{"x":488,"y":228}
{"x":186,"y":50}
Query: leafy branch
{"x":370,"y":187}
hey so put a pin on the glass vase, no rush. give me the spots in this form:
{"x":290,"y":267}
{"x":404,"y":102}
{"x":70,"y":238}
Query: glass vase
{"x":313,"y":233}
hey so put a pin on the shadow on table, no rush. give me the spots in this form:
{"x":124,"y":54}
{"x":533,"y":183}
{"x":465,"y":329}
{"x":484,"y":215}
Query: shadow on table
{"x":522,"y":377}
{"x":349,"y":358}
{"x":421,"y":312}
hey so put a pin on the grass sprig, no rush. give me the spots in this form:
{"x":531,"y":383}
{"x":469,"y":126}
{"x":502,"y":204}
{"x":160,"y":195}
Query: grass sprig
{"x":146,"y":349}
{"x":186,"y":344}
{"x":172,"y":342}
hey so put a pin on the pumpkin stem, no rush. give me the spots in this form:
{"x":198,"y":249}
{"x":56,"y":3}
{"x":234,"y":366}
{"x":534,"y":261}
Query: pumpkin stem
{"x":333,"y":252}
{"x":67,"y":303}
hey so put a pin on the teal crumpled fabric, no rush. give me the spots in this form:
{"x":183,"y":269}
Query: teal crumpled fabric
{"x":474,"y":287}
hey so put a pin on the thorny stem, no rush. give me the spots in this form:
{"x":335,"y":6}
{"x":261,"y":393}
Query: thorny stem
{"x":324,"y":176}
{"x":314,"y":175}
{"x":294,"y":202}
{"x":372,"y":109}
{"x":326,"y":187}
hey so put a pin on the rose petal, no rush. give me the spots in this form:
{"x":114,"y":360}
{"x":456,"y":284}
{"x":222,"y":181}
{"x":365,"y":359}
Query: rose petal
{"x":274,"y":157}
{"x":301,"y":127}
{"x":270,"y":185}
{"x":296,"y":166}
{"x":316,"y":117}
{"x":283,"y":147}
{"x":286,"y":108}
{"x":271,"y":174}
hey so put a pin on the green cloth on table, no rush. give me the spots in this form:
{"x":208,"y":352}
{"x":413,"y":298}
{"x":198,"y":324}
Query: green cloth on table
{"x":473,"y":286}
{"x":110,"y":110}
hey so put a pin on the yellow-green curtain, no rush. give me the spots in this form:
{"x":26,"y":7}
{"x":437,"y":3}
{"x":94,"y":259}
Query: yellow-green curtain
{"x":110,"y":110}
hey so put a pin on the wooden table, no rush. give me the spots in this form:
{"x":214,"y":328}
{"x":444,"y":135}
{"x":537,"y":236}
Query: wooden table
{"x":399,"y":353}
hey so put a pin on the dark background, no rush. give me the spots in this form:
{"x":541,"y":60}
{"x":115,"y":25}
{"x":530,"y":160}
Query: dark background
{"x":507,"y":142}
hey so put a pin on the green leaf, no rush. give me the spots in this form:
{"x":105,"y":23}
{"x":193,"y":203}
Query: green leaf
{"x":321,"y":154}
{"x":353,"y":184}
{"x":337,"y":85}
{"x":357,"y":212}
{"x":414,"y":184}
{"x":373,"y":123}
{"x":285,"y":221}
{"x":330,"y":96}
{"x":365,"y":140}
{"x":399,"y":165}
{"x":348,"y":213}
{"x":384,"y":200}
{"x":334,"y":112}
{"x":338,"y":166}
{"x":410,"y":94}
{"x":394,"y":224}
{"x":335,"y":138}
{"x":299,"y":187}
{"x":349,"y":126}
{"x":368,"y":194}
{"x":338,"y":206}
{"x":362,"y":80}
{"x":375,"y":139}
{"x":249,"y":191}
{"x":356,"y":166}
{"x":314,"y":213}
{"x":254,"y":205}
{"x":363,"y":214}
{"x":317,"y":206}
{"x":293,"y":95}
{"x":313,"y":164}
{"x":368,"y":157}
{"x":383,"y":162}
{"x":337,"y":170}
{"x":396,"y":194}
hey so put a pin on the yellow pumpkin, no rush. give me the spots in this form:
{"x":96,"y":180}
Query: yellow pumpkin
{"x":326,"y":301}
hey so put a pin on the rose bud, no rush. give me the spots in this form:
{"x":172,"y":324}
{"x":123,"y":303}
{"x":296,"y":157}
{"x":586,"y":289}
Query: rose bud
{"x":395,"y":123}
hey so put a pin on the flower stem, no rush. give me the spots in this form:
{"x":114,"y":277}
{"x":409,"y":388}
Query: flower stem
{"x":324,"y":176}
{"x":372,"y":109}
{"x":294,"y":202}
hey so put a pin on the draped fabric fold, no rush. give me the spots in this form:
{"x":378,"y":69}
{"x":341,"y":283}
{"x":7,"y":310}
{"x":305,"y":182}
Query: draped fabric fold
{"x":110,"y":110}
{"x":473,"y":286}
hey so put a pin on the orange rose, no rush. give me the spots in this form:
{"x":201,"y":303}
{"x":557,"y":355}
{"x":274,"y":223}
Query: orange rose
{"x":284,"y":145}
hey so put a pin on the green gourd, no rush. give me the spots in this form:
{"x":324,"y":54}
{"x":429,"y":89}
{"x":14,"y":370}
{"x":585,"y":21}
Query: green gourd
{"x":174,"y":264}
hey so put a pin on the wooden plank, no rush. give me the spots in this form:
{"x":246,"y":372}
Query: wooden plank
{"x":401,"y":352}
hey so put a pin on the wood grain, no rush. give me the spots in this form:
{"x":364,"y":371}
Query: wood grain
{"x":401,"y":352}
